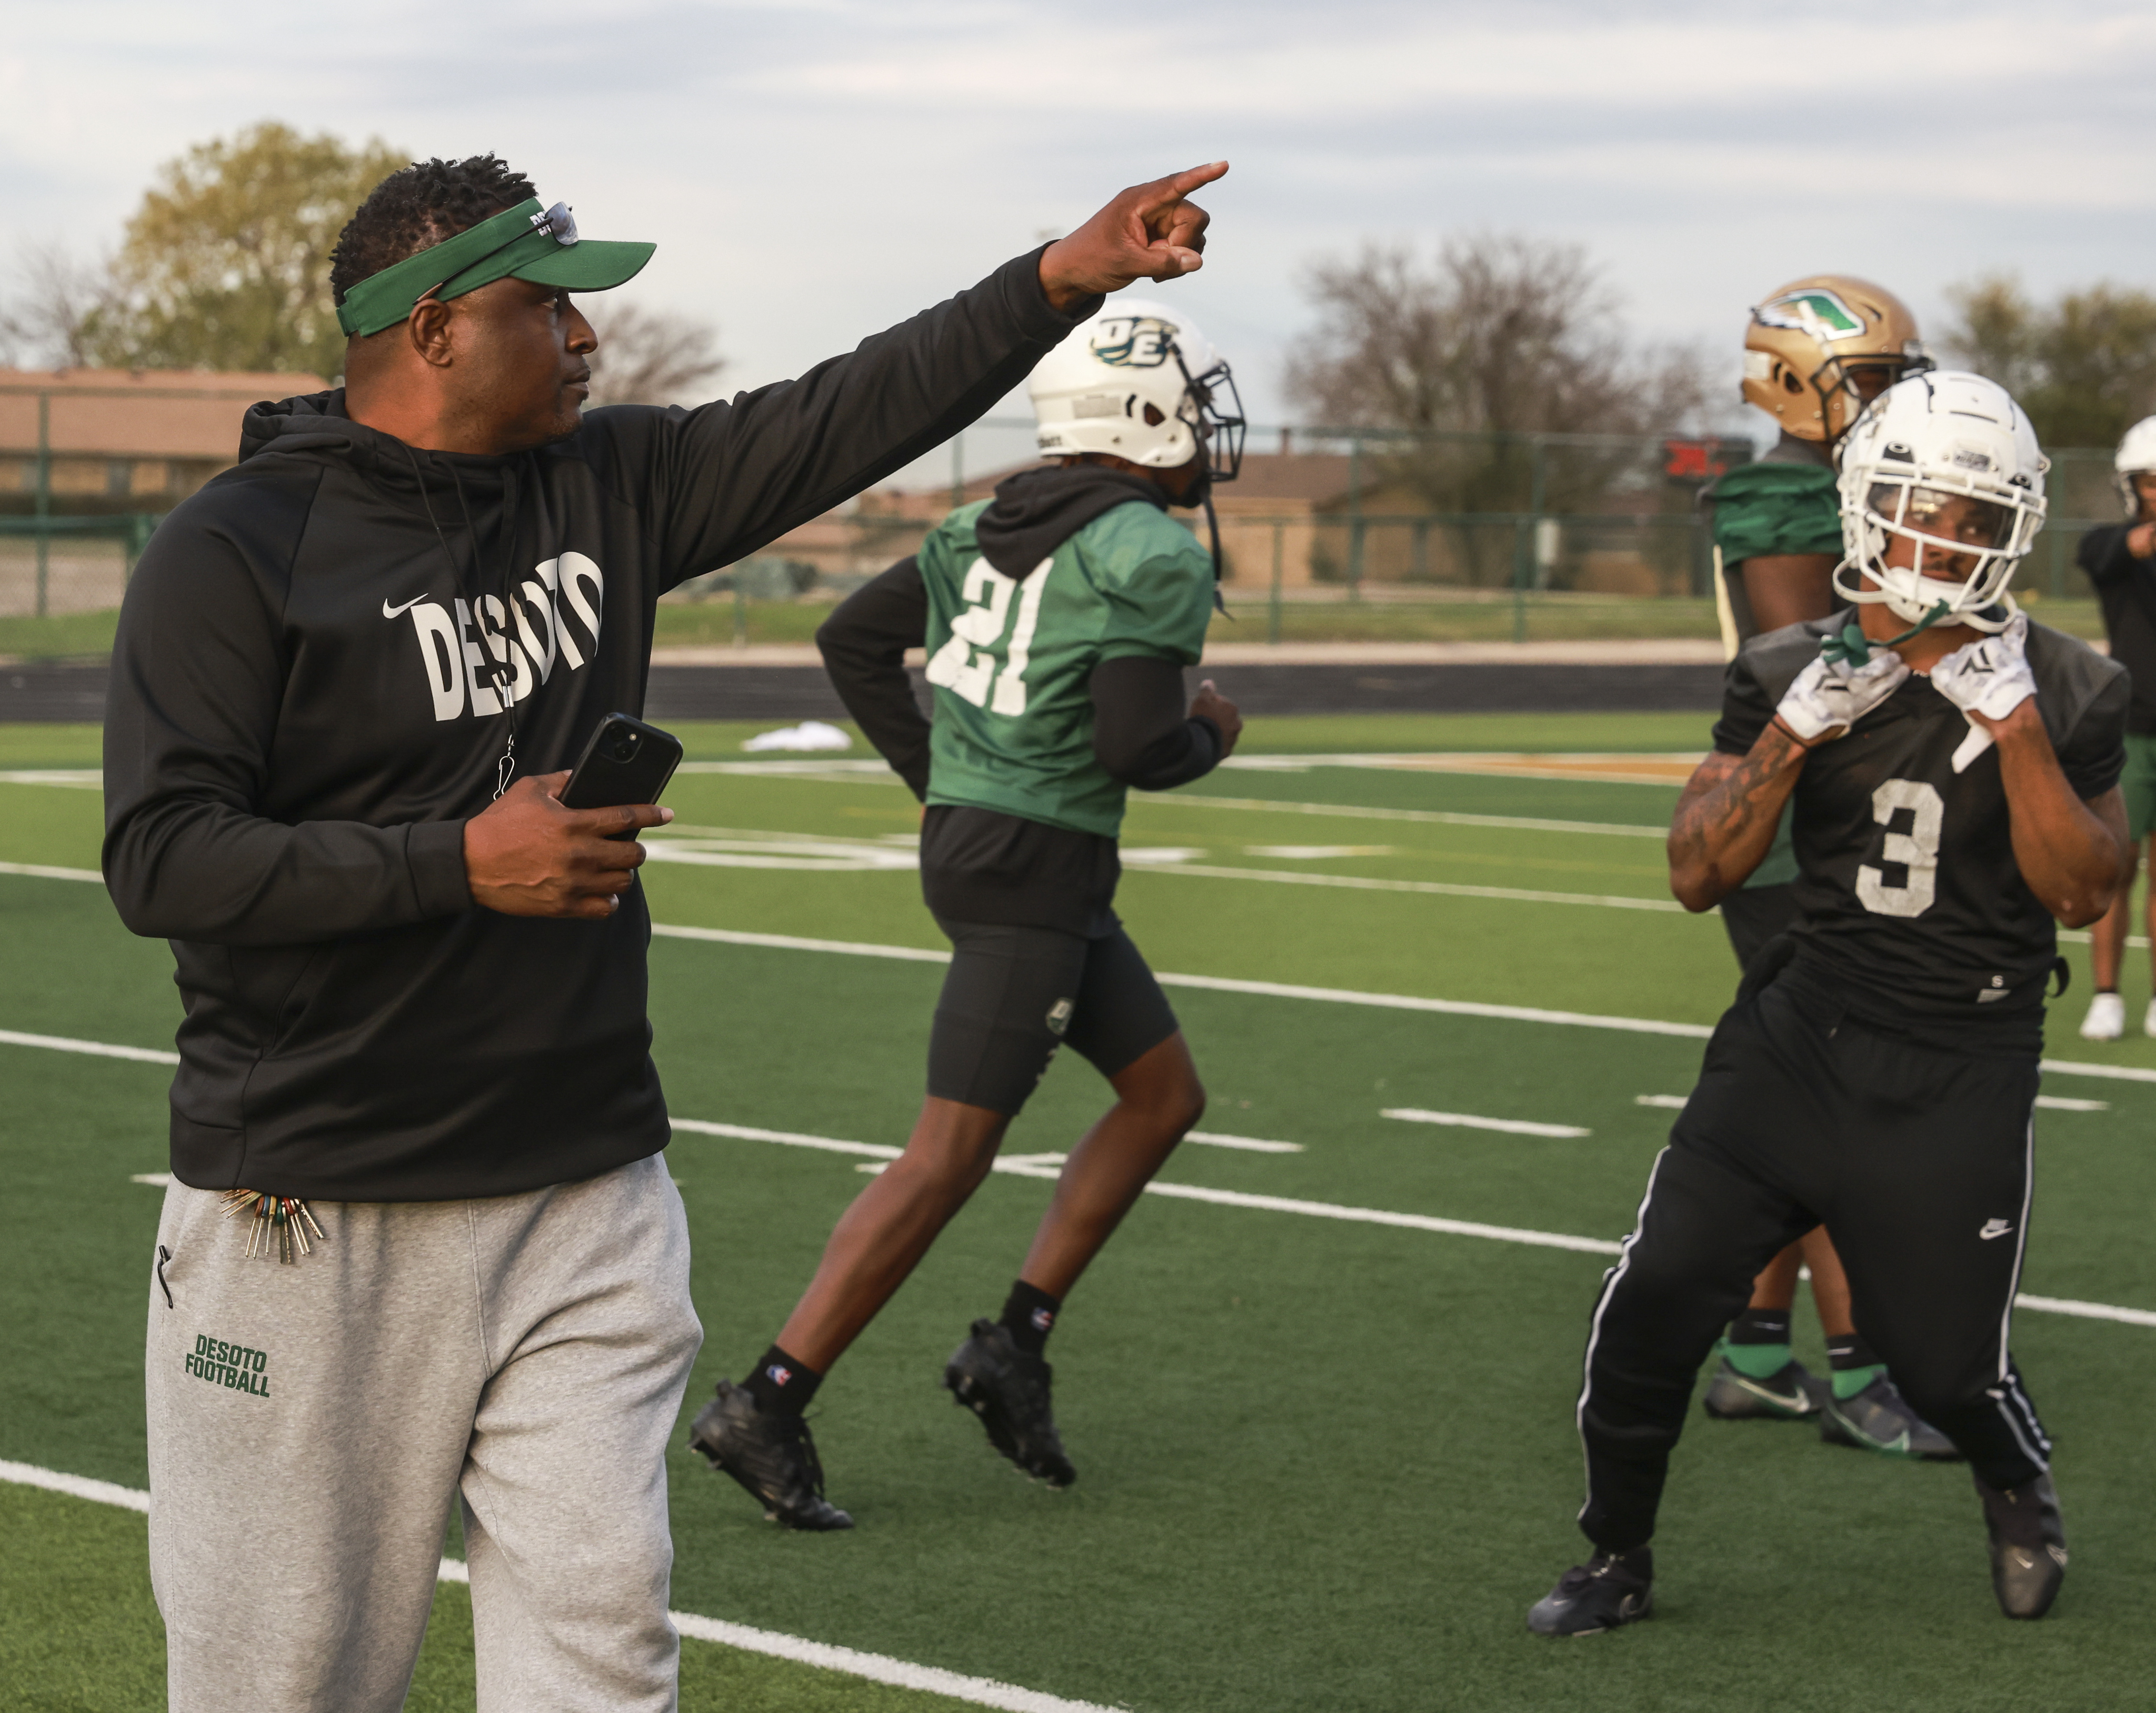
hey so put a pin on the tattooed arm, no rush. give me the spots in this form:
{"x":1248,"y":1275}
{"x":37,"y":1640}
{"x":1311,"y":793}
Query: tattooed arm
{"x":1726,"y":819}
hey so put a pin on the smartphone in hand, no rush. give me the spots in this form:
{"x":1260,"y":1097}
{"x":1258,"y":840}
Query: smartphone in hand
{"x":626,"y":761}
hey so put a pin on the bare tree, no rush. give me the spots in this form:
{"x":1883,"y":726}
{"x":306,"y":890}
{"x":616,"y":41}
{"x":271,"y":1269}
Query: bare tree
{"x":46,"y":322}
{"x":1497,"y":338}
{"x":651,"y":357}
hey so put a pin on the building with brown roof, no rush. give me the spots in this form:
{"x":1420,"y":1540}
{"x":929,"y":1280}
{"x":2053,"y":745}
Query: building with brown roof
{"x":123,"y":440}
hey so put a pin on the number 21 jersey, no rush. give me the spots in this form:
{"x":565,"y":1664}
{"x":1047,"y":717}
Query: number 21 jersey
{"x":1909,"y":886}
{"x":1011,"y":658}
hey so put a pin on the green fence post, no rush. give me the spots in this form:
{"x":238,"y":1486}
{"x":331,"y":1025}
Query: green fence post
{"x":1273,"y":622}
{"x":1355,"y":520}
{"x":1523,"y":546}
{"x":45,"y":497}
{"x":740,"y":610}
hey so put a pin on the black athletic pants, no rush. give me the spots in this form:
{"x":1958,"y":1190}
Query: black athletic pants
{"x":1915,"y":1158}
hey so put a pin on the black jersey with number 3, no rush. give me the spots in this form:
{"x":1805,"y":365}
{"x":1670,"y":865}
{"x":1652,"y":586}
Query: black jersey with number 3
{"x":1909,"y":889}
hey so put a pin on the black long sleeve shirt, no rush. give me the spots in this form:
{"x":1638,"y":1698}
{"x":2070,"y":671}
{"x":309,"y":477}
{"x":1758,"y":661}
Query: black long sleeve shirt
{"x":2126,"y":588}
{"x":307,"y":703}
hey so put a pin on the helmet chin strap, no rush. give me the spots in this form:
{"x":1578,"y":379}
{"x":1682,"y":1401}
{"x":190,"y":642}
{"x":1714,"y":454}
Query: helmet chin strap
{"x":1853,"y":649}
{"x":1213,"y":529}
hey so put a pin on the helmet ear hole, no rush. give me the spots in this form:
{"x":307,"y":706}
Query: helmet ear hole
{"x":1790,"y":383}
{"x":1154,"y":415}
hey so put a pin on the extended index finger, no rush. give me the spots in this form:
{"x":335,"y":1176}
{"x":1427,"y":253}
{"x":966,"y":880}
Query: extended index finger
{"x":1162,"y":193}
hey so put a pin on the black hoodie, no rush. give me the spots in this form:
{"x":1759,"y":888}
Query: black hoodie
{"x":303,"y":715}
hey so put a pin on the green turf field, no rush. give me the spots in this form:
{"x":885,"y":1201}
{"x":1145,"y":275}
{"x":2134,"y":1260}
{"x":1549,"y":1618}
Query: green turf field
{"x":1325,"y":1463}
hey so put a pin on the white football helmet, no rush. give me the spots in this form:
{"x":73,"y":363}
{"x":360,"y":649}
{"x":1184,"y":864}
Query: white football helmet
{"x":1947,"y":461}
{"x":1140,"y":381}
{"x":2136,"y":456}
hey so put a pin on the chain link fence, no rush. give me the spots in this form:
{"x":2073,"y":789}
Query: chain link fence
{"x":1329,"y":535}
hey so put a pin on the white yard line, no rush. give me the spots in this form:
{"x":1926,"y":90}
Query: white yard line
{"x":1428,"y":817}
{"x":1253,"y":1145}
{"x":1465,"y":1120}
{"x":877,"y":1668}
{"x":1444,"y":889}
{"x":1218,"y":984}
{"x":1339,"y":995}
{"x":42,"y":871}
{"x":2053,"y":1103}
{"x":100,"y":1050}
{"x":1033,"y":1165}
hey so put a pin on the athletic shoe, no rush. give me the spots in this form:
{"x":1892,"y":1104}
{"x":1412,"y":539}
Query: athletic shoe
{"x":1611,"y":1588}
{"x":2028,"y":1545}
{"x":1879,"y":1418}
{"x":772,"y":1456}
{"x":1007,"y":1389}
{"x":2106,"y":1017}
{"x":1788,"y":1395}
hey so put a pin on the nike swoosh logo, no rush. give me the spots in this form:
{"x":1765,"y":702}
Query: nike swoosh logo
{"x":390,"y":612}
{"x":1995,"y":1228}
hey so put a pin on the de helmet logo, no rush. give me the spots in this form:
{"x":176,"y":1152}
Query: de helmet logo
{"x":1134,"y":341}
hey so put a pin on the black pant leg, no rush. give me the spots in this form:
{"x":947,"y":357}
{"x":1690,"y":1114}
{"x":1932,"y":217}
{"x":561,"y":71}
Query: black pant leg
{"x":1719,"y":1206}
{"x":1930,"y":1212}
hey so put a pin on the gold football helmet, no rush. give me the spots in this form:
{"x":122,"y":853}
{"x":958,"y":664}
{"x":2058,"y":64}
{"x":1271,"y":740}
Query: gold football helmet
{"x":1820,"y":349}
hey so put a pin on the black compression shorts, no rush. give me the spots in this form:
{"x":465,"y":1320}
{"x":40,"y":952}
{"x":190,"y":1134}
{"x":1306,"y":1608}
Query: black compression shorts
{"x":1014,"y":994}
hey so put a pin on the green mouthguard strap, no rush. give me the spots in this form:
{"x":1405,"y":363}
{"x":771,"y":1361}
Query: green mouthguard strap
{"x":1853,"y":649}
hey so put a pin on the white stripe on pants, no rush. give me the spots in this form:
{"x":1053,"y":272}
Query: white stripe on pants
{"x":310,"y":1424}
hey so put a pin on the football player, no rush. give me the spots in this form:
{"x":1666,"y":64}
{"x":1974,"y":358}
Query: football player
{"x":1955,"y":771}
{"x":1816,"y":352}
{"x":1057,"y":619}
{"x":2121,"y":561}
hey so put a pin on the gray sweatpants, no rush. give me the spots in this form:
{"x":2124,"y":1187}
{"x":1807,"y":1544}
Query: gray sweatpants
{"x":310,"y":1424}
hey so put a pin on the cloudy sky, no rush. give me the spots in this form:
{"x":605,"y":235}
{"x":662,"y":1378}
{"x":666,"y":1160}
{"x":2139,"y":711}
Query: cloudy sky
{"x":815,"y":169}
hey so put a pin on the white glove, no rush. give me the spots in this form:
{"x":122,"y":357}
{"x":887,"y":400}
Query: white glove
{"x":1989,"y":676}
{"x":1827,"y":694}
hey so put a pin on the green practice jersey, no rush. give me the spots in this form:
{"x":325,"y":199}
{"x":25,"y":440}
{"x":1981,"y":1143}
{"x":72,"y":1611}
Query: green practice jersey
{"x":1010,"y":658}
{"x":1777,"y":508}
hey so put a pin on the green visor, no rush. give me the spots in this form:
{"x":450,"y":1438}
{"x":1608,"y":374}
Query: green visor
{"x":543,"y":247}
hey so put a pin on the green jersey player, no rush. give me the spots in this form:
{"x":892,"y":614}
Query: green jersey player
{"x":1057,"y":620}
{"x":1817,"y":351}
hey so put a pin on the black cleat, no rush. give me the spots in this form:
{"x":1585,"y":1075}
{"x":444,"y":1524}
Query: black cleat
{"x":1879,"y":1418}
{"x":1611,"y":1588}
{"x":2028,"y":1545}
{"x":1788,"y":1395}
{"x":771,"y":1456}
{"x":1008,"y":1390}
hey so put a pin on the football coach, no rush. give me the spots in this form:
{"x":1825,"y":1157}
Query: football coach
{"x":420,"y":1241}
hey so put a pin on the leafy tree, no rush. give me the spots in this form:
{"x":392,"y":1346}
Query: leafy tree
{"x":225,"y":265}
{"x":2083,"y":367}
